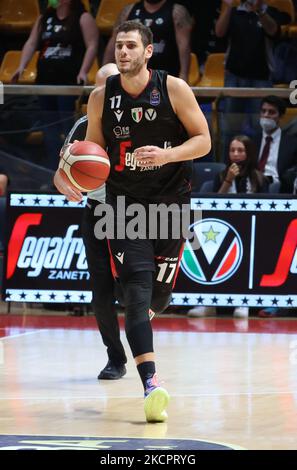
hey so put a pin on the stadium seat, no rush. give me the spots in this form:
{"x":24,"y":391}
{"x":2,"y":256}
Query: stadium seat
{"x":214,"y":71}
{"x":206,"y":187}
{"x":291,"y":113}
{"x":108,"y":13}
{"x":205,"y":171}
{"x":283,"y":5}
{"x":92,"y":72}
{"x":11,"y":62}
{"x":292,"y":32}
{"x":274,"y":187}
{"x":17,"y":16}
{"x":86,"y":4}
{"x":194,"y":72}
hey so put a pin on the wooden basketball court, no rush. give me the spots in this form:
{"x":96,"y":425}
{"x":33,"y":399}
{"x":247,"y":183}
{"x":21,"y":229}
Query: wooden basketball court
{"x":232,"y":382}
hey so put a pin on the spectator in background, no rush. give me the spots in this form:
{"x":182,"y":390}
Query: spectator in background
{"x":204,"y":40}
{"x":67,"y":38}
{"x":277,"y":152}
{"x":171,"y":26}
{"x":277,"y":156}
{"x":240,"y":176}
{"x":252,"y":29}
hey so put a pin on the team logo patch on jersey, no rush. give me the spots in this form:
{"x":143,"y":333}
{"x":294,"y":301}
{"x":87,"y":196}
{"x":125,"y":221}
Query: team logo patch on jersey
{"x":137,"y":114}
{"x":121,"y":131}
{"x":120,"y":257}
{"x":159,"y":21}
{"x":150,"y":114}
{"x":155,"y":97}
{"x":118,"y":114}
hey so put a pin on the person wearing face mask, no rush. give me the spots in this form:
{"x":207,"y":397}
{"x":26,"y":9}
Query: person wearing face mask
{"x":277,"y":157}
{"x":171,"y":26}
{"x":277,"y":151}
{"x":67,"y":39}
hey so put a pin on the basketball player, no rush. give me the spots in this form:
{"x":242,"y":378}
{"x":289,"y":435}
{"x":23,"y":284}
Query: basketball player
{"x":98,"y":258}
{"x":151,"y":164}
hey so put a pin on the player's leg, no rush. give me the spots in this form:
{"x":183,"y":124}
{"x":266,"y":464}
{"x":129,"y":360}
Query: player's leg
{"x":134,"y":264}
{"x":102,"y":284}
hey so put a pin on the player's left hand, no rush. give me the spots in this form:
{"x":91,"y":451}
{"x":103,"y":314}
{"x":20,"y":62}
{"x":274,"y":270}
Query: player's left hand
{"x":151,"y":155}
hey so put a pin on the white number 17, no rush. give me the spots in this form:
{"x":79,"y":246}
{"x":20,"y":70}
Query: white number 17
{"x":164,"y":269}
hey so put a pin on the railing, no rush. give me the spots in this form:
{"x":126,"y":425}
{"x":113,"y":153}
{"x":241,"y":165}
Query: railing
{"x":204,"y":92}
{"x":212,"y":95}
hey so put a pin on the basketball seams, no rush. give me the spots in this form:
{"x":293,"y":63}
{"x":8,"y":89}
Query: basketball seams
{"x":83,"y":158}
{"x":86,"y":165}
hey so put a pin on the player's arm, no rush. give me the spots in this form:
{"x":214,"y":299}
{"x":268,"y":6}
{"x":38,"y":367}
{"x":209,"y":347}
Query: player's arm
{"x":189,"y":113}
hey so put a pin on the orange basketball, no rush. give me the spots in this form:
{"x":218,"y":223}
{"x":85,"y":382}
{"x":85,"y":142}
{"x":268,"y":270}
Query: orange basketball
{"x":86,"y":165}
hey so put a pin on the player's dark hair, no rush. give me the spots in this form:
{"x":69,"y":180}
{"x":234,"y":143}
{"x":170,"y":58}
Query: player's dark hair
{"x":133,"y":25}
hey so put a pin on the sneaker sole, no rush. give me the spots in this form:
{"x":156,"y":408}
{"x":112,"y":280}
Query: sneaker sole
{"x":105,"y":376}
{"x":155,"y":404}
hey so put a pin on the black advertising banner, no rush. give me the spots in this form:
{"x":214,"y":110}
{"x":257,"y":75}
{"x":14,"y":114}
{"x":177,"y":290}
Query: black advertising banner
{"x":247,"y":254}
{"x":45,"y":259}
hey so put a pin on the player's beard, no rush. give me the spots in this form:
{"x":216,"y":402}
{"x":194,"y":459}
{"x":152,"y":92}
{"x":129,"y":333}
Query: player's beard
{"x":135,"y":66}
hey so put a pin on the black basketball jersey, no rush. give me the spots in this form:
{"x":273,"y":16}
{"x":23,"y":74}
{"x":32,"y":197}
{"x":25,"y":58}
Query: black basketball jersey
{"x":148,"y":119}
{"x":62,"y":50}
{"x":161,"y":23}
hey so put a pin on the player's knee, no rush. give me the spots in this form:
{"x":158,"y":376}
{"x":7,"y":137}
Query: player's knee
{"x":137,"y":297}
{"x":161,"y":298}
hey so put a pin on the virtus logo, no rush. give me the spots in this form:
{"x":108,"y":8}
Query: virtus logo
{"x":220,"y":252}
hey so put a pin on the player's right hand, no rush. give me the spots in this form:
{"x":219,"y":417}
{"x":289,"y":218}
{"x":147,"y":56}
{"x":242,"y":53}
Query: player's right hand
{"x":66,"y":188}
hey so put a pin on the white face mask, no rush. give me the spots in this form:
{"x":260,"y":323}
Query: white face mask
{"x":268,"y":124}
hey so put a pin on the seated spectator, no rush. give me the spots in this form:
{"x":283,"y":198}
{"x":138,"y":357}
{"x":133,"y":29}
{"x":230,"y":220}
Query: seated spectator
{"x":277,"y":152}
{"x":171,"y":26}
{"x":240,"y":176}
{"x":67,"y":38}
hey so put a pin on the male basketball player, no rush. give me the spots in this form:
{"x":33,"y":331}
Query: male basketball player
{"x":103,"y":286}
{"x":149,"y":164}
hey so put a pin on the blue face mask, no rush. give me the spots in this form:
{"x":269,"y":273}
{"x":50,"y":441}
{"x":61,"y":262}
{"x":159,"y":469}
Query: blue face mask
{"x":53,"y":3}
